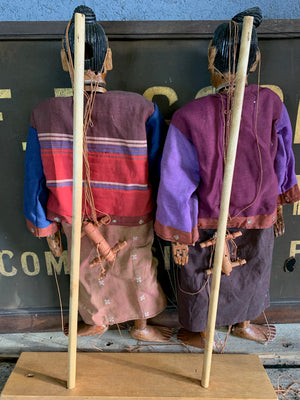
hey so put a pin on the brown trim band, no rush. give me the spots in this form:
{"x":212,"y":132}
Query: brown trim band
{"x":42,"y":232}
{"x":114,"y":219}
{"x":175,"y":235}
{"x":280,"y":312}
{"x":17,"y":321}
{"x":290,"y":196}
{"x":251,"y":222}
{"x":138,"y":30}
{"x":35,"y":320}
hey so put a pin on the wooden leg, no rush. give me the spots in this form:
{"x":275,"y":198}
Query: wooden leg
{"x":142,"y":331}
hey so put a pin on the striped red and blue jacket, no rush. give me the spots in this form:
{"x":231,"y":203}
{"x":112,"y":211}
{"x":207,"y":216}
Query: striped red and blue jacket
{"x":124,"y":143}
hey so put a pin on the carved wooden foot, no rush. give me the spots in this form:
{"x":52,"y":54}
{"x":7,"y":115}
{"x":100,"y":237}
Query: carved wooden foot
{"x":87,"y":330}
{"x":258,"y":333}
{"x":194,"y":339}
{"x":149,"y":333}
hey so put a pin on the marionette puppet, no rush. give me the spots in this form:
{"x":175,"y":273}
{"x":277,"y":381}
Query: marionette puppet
{"x":123,"y":141}
{"x":190,"y":189}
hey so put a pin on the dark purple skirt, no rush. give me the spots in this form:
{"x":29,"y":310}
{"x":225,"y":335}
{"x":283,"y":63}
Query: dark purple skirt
{"x":243,"y":295}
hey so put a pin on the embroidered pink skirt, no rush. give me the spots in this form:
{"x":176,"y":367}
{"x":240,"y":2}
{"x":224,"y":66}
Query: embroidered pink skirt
{"x":129,"y":290}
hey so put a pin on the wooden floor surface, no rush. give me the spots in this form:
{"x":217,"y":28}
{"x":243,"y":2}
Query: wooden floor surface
{"x":138,"y":376}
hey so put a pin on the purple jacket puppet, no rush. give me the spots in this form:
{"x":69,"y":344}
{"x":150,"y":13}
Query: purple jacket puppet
{"x":190,"y":193}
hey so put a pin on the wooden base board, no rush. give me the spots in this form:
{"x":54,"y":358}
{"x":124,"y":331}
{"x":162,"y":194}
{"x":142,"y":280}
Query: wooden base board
{"x":142,"y":376}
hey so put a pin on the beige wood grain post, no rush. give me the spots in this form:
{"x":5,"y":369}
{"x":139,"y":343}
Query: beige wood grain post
{"x":78,"y":96}
{"x":226,"y":191}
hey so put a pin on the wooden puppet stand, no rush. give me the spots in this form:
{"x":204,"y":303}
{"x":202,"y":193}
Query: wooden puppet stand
{"x":136,"y":375}
{"x":41,"y":376}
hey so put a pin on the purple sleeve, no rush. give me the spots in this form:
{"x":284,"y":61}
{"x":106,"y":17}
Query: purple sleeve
{"x":177,"y":202}
{"x":285,"y":161}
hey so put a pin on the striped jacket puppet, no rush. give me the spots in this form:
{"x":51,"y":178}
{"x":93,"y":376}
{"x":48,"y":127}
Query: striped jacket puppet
{"x":124,"y":145}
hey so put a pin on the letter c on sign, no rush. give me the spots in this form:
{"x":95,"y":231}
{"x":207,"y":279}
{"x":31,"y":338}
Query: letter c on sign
{"x":3,"y":271}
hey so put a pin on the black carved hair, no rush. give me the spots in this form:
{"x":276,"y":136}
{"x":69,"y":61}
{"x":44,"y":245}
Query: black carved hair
{"x":223,"y":41}
{"x":95,"y":39}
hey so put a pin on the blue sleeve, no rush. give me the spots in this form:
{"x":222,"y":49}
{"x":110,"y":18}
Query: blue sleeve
{"x":156,"y":129}
{"x":35,"y":190}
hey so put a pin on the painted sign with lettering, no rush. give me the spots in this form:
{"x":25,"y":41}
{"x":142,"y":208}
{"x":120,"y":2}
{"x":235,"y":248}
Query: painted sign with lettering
{"x":168,"y":67}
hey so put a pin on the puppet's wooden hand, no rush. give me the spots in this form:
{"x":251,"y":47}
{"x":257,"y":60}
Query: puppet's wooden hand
{"x":55,"y":244}
{"x":279,"y":227}
{"x":180,"y":253}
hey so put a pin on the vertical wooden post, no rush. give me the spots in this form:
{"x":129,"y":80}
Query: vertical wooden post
{"x":226,"y":191}
{"x":78,"y":107}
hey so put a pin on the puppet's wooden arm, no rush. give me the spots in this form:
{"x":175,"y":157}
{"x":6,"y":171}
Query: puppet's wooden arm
{"x":227,"y":264}
{"x":55,"y":243}
{"x":279,"y":227}
{"x":106,"y":253}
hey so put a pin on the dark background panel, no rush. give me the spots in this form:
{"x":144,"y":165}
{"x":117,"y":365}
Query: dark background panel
{"x":144,"y":55}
